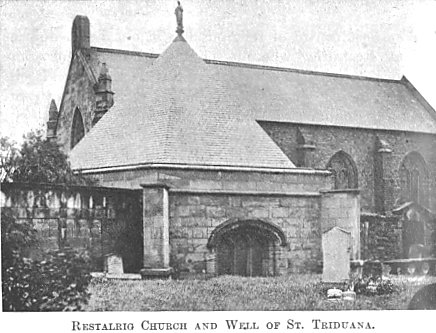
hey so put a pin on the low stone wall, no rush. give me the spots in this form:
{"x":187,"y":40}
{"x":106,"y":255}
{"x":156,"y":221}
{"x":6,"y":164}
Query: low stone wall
{"x":96,"y":219}
{"x":381,"y":237}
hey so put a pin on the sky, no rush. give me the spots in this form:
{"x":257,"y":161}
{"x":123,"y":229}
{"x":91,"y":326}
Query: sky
{"x":384,"y":39}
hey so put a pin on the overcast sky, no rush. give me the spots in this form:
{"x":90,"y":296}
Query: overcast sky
{"x":385,"y":39}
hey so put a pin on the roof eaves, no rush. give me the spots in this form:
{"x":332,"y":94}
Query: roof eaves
{"x":209,"y":167}
{"x":259,"y":120}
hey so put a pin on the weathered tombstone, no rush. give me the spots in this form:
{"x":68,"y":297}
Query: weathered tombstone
{"x":424,"y":299}
{"x":114,"y":264}
{"x":336,"y":255}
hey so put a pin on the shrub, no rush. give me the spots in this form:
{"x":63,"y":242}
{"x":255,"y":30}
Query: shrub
{"x":57,"y":283}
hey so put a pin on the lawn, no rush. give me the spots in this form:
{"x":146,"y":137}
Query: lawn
{"x":231,"y":293}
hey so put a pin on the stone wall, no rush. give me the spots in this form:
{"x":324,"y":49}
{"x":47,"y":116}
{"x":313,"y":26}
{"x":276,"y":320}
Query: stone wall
{"x":360,"y":145}
{"x":193,"y":217}
{"x":381,"y":237}
{"x":198,"y":201}
{"x":96,"y":219}
{"x":78,"y":93}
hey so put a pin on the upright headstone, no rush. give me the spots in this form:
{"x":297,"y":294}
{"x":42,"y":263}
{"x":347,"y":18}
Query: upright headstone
{"x":336,"y":244}
{"x":114,"y":264}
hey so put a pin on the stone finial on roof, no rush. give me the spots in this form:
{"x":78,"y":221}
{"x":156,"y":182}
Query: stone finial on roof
{"x":179,"y":17}
{"x":103,"y":94}
{"x":104,"y":73}
{"x":52,"y":120}
{"x":53,"y":111}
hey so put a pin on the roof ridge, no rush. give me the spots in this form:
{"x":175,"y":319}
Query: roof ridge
{"x":255,"y":66}
{"x":127,"y":52}
{"x":299,"y":71}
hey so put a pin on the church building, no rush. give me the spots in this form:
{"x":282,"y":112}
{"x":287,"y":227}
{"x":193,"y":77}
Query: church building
{"x":243,"y":167}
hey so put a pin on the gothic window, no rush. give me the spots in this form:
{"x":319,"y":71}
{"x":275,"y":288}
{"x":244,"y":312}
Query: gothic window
{"x":344,"y":170}
{"x":77,"y":130}
{"x":414,"y":178}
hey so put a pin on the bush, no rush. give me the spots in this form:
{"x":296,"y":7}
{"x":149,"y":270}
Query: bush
{"x":58,"y":283}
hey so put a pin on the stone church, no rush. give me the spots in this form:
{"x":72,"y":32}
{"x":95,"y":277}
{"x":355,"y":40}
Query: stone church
{"x":243,"y":167}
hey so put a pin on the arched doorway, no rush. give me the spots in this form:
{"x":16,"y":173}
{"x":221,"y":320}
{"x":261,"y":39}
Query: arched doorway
{"x":247,"y":248}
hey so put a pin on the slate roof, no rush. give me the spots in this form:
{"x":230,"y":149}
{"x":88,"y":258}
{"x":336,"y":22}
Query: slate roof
{"x":179,"y":108}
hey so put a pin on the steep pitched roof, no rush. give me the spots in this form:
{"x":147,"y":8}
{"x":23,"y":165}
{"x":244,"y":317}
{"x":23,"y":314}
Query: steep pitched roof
{"x":296,"y":96}
{"x":175,"y":110}
{"x":178,"y":108}
{"x":326,"y":99}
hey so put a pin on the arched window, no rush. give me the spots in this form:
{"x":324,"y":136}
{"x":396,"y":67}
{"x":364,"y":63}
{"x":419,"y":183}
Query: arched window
{"x":344,"y":170}
{"x":414,"y":178}
{"x":77,"y":130}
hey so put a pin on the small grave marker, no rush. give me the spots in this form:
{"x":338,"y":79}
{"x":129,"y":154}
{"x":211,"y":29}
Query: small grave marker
{"x":114,"y":264}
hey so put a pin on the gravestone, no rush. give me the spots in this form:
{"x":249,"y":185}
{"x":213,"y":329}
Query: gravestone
{"x":424,"y":299}
{"x":114,"y":264}
{"x":336,"y":246}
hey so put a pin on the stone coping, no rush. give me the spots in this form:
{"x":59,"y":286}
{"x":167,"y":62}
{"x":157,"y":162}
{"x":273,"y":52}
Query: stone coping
{"x":251,"y":193}
{"x":242,"y":168}
{"x":65,"y":187}
{"x":348,"y":190}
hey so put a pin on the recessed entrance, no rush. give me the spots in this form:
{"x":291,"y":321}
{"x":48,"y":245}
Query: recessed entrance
{"x":247,"y":248}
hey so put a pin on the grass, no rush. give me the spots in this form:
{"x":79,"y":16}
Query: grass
{"x":232,"y":293}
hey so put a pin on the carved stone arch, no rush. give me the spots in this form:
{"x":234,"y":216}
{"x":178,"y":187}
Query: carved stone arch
{"x":233,"y":224}
{"x":247,"y":247}
{"x":344,"y":170}
{"x":414,"y":178}
{"x":77,"y":128}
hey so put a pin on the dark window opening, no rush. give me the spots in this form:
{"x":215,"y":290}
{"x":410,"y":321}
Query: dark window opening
{"x":77,"y":130}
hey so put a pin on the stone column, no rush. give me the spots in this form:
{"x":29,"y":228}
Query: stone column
{"x":306,"y":152}
{"x":383,"y":168}
{"x":156,"y":225}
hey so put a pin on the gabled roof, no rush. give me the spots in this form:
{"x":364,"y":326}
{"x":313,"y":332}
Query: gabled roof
{"x":332,"y":100}
{"x":297,"y":96}
{"x":177,"y":110}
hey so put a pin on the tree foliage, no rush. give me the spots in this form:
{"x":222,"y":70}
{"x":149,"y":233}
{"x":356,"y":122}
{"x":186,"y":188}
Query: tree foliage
{"x":38,"y":160}
{"x":9,"y":153}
